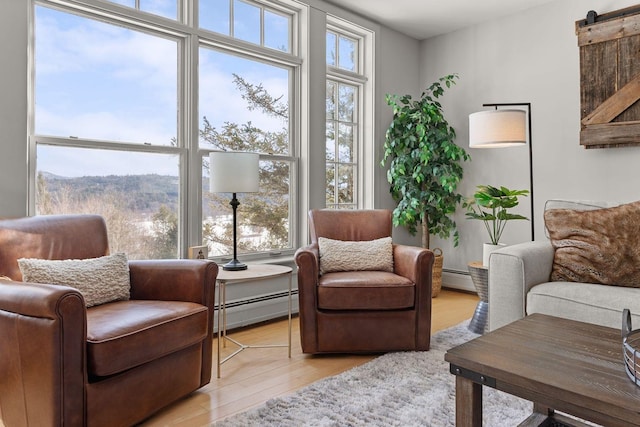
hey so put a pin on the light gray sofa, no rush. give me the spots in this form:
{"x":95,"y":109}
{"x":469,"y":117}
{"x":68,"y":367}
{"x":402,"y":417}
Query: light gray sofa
{"x":519,"y":284}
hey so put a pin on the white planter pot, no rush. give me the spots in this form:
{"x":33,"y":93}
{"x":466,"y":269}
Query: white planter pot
{"x":487,"y":248}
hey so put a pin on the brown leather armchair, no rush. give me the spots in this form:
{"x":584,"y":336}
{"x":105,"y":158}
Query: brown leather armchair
{"x":363,"y":311}
{"x":113,"y":364}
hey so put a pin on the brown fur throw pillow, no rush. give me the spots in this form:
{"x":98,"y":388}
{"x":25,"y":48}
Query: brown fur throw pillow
{"x":596,"y":246}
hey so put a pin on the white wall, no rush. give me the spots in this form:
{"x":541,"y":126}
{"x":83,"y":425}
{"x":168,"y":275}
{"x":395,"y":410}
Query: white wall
{"x":13,"y":108}
{"x":397,"y":72}
{"x":528,"y":57}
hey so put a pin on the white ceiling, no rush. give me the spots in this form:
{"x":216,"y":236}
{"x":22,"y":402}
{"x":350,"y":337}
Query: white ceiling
{"x":422,"y":19}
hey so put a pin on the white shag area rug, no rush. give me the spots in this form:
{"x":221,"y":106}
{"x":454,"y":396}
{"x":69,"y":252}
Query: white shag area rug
{"x":395,"y":389}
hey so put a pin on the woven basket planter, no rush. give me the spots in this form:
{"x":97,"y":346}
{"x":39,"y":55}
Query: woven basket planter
{"x":436,"y":274}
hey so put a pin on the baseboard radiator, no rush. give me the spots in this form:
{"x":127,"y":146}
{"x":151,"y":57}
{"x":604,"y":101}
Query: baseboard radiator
{"x":249,"y":309}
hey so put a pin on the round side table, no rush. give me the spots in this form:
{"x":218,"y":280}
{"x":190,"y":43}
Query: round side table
{"x":253,"y":272}
{"x":480,"y":276}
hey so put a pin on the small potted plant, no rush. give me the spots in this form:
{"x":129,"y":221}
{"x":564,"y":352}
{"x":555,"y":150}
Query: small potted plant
{"x":491,"y":205}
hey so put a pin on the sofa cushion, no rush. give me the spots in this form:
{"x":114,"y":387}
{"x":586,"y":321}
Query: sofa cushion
{"x":366,"y":255}
{"x":584,"y":302}
{"x":596,"y":246}
{"x":99,"y":280}
{"x":365,"y":290}
{"x":125,"y":334}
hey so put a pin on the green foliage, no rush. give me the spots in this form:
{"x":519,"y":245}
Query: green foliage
{"x":268,"y":209}
{"x":490,"y":205}
{"x":424,"y":168}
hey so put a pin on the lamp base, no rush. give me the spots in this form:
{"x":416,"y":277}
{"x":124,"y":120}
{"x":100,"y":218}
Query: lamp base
{"x":234,"y":265}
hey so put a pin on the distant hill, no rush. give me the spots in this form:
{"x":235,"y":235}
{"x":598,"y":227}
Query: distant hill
{"x":144,"y":193}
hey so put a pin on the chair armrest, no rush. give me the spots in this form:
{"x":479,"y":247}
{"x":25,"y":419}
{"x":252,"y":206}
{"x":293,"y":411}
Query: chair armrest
{"x":513,"y":271}
{"x":43,"y":334}
{"x":174,"y":280}
{"x":412,"y":262}
{"x":307,"y":260}
{"x":416,"y":264}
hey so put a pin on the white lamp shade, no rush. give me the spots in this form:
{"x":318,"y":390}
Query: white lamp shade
{"x":233,"y":172}
{"x":497,"y":128}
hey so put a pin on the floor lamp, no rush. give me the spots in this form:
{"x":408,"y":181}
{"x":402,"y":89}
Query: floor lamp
{"x":504,"y":128}
{"x":233,"y":172}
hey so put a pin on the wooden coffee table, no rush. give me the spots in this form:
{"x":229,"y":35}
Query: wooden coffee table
{"x":558,"y":364}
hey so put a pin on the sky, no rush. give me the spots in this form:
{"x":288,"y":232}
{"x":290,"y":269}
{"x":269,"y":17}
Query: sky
{"x":105,"y":82}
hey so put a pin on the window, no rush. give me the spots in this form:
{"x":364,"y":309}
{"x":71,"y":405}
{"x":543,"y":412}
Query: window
{"x":347,"y":90}
{"x":127,"y":107}
{"x":244,"y":105}
{"x":342,"y":51}
{"x":137,"y":193}
{"x":248,"y":21}
{"x":106,"y":118}
{"x":342,"y":135}
{"x":98,"y":80}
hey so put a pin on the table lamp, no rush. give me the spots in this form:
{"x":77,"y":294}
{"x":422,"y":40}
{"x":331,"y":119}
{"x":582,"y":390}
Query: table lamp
{"x":233,"y":172}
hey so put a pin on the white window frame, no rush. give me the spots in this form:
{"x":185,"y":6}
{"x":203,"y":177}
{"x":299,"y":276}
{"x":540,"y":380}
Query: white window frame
{"x":364,"y":79}
{"x":189,"y":38}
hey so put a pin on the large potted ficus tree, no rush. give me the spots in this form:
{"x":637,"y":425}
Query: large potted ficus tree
{"x":424,"y":167}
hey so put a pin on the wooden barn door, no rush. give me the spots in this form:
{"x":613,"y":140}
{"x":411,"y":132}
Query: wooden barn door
{"x":610,"y":78}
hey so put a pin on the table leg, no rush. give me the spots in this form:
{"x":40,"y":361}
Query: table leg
{"x":479,"y":320}
{"x":220,"y":285}
{"x":224,"y":315}
{"x":290,"y":280}
{"x":480,"y":277}
{"x":543,"y":409}
{"x":468,"y":403}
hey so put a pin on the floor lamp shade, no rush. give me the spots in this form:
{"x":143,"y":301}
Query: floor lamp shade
{"x":497,"y":128}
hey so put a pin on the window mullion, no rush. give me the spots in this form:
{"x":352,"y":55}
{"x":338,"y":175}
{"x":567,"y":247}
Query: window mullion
{"x":106,"y":145}
{"x":232,"y":19}
{"x":345,"y":76}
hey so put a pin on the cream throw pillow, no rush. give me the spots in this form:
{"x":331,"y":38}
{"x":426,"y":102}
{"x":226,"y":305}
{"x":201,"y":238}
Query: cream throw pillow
{"x":99,"y":280}
{"x":341,"y":255}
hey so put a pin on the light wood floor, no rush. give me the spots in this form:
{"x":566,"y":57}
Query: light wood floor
{"x":256,"y":375}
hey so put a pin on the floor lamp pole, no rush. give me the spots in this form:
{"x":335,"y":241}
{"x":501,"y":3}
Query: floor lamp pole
{"x":528,"y":105}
